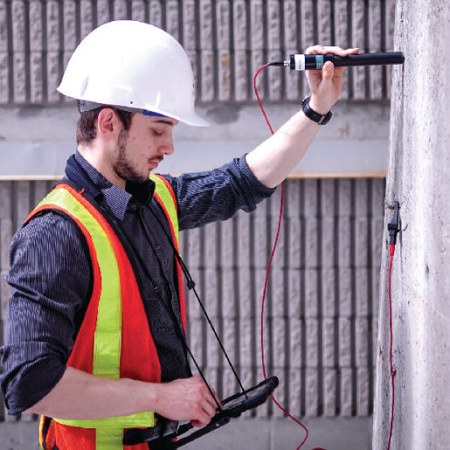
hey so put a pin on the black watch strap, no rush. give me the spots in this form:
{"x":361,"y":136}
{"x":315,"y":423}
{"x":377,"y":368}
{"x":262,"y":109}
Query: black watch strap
{"x":313,"y":115}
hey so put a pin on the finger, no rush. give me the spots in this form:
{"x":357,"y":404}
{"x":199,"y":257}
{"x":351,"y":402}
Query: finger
{"x":322,"y":50}
{"x":327,"y":71}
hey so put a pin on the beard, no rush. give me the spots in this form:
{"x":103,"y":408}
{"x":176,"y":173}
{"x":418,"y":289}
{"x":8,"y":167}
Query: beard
{"x":122,"y":165}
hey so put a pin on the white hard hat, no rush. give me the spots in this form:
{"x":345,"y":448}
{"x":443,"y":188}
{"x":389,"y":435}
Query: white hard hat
{"x":135,"y":66}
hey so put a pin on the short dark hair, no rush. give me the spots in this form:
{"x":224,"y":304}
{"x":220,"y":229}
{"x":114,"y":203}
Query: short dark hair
{"x":86,"y":131}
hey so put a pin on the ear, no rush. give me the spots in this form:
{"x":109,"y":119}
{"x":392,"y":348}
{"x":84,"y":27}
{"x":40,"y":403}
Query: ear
{"x":108,"y":125}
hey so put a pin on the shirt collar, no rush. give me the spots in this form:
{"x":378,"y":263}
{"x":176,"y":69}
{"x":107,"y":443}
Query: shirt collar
{"x":118,"y":200}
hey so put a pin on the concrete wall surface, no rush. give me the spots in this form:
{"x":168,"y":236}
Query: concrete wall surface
{"x":419,"y":178}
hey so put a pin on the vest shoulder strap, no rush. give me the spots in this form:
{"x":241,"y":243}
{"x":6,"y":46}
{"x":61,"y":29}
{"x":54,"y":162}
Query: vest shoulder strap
{"x":165,"y":196}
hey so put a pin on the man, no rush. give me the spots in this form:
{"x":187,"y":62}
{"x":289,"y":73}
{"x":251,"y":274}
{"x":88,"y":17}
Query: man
{"x":95,"y":325}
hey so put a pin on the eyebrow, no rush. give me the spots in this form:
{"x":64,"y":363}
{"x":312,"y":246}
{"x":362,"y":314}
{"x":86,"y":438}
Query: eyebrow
{"x":171,"y":122}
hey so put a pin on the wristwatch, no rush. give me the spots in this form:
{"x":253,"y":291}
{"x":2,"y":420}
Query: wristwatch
{"x":313,"y":115}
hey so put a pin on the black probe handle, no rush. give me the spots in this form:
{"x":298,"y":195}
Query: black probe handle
{"x":315,"y":62}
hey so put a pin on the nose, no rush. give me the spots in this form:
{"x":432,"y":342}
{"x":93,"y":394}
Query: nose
{"x":167,"y":147}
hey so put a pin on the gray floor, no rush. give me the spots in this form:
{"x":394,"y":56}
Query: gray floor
{"x":248,"y":434}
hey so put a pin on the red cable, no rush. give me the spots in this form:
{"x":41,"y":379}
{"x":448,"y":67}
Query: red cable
{"x":266,"y":281}
{"x":391,"y":345}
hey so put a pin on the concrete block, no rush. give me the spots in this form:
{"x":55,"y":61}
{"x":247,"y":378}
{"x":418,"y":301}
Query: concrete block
{"x":172,"y":19}
{"x":344,"y":242}
{"x":311,"y":201}
{"x":363,"y":392}
{"x":138,"y":10}
{"x":37,"y":78}
{"x":296,"y":299}
{"x":229,"y":333}
{"x":345,"y":292}
{"x":3,"y":28}
{"x":362,"y":282}
{"x":243,"y":239}
{"x":345,"y":207}
{"x":248,"y":342}
{"x":307,"y":16}
{"x":4,"y":77}
{"x":189,"y":17}
{"x":362,"y":356}
{"x":20,"y":77}
{"x":293,"y":195}
{"x":328,"y":198}
{"x":5,"y":199}
{"x":211,"y":247}
{"x":311,"y":392}
{"x":35,"y":27}
{"x":6,"y":233}
{"x":329,"y":339}
{"x":295,"y":248}
{"x":53,"y":25}
{"x":328,"y":253}
{"x":261,"y":244}
{"x":279,"y":296}
{"x":240,"y":80}
{"x":5,"y":293}
{"x":86,"y":22}
{"x":120,"y":10}
{"x":256,"y":18}
{"x":330,"y":400}
{"x":295,"y":342}
{"x":312,"y":342}
{"x":207,"y":76}
{"x":346,"y":391}
{"x":197,"y":341}
{"x":328,"y":287}
{"x":345,"y":342}
{"x":156,"y":13}
{"x":229,"y":294}
{"x":361,"y":241}
{"x":223,"y":21}
{"x":311,"y":248}
{"x":324,"y":17}
{"x":246,"y":296}
{"x":23,"y":201}
{"x":281,"y":356}
{"x":296,"y":393}
{"x":361,"y":190}
{"x":310,"y":295}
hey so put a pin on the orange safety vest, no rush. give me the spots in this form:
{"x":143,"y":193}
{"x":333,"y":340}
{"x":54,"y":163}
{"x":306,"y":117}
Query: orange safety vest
{"x":114,"y":340}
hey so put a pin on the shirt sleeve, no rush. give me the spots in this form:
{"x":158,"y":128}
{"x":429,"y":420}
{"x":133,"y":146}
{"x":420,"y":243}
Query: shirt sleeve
{"x":206,"y":197}
{"x":50,"y":280}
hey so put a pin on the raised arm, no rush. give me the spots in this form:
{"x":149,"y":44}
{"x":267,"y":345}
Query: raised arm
{"x":273,"y":160}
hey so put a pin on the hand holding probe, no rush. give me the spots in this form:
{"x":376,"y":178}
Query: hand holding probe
{"x":316,"y":62}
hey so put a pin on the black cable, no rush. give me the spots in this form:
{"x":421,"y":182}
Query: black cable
{"x":191,"y":286}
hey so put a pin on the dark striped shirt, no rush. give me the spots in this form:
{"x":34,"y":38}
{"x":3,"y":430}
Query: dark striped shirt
{"x":50,"y":274}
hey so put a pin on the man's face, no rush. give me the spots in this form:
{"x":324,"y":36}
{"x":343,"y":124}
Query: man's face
{"x":140,"y":149}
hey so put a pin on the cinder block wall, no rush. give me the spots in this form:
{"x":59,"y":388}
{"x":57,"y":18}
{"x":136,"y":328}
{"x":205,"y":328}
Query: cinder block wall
{"x":321,"y":302}
{"x":227,"y":41}
{"x":321,"y":305}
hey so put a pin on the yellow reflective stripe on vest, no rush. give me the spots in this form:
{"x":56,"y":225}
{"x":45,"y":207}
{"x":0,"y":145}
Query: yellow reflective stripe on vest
{"x":165,"y":194}
{"x":108,"y":332}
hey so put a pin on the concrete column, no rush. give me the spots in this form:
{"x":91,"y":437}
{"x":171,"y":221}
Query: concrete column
{"x":419,"y":178}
